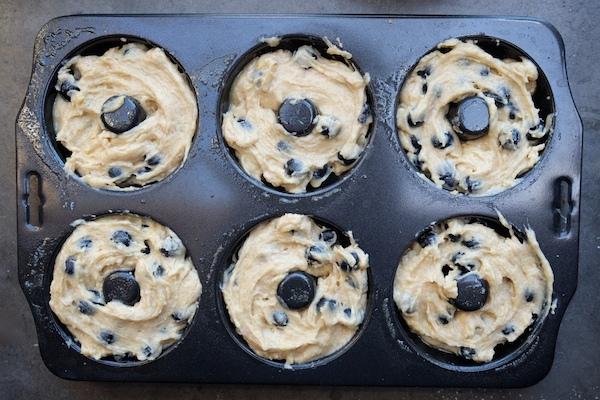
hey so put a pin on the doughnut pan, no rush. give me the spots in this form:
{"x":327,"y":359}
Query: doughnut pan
{"x":211,"y":203}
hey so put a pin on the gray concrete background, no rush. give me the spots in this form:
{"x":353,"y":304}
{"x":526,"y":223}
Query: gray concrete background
{"x":576,"y":370}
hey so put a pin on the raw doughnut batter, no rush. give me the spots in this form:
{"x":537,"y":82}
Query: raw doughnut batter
{"x":150,"y":150}
{"x":335,"y":137}
{"x":146,"y":252}
{"x":291,"y":244}
{"x":494,"y":162}
{"x":517,"y":275}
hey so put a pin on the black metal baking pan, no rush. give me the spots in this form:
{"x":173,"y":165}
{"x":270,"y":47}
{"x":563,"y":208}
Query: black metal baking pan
{"x":211,"y":203}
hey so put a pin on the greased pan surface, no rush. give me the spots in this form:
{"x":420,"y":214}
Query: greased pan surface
{"x":210,"y":203}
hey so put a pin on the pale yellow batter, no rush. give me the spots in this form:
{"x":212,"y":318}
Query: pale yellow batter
{"x":147,"y":153}
{"x":494,"y":162}
{"x":271,"y":251}
{"x":519,"y":278}
{"x":169,"y":287}
{"x":265,"y":149}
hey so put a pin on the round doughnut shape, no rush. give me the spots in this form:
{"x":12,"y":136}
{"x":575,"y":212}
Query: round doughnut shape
{"x":133,"y":318}
{"x":117,"y":148}
{"x":287,"y":246}
{"x":463,"y":253}
{"x":299,"y":154}
{"x":459,"y":71}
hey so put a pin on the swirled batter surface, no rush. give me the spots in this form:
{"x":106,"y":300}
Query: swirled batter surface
{"x":262,"y":145}
{"x":455,"y":71}
{"x":272,"y":250}
{"x":519,"y":278}
{"x":168,"y":282}
{"x":148,"y":152}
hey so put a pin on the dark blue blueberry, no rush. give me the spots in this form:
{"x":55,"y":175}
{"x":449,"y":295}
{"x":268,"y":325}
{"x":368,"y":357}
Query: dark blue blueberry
{"x":320,"y":304}
{"x":499,"y":101}
{"x":416,"y":162}
{"x":177,"y":316}
{"x":520,"y":235}
{"x":346,"y":267}
{"x":283,"y":145}
{"x":154,"y":160}
{"x":413,"y":124}
{"x":144,"y":170}
{"x":159,"y":271}
{"x":484,"y":71}
{"x":350,"y":282}
{"x":311,"y":53}
{"x":98,"y":300}
{"x":457,"y":255}
{"x":324,"y":130}
{"x":425,"y":72}
{"x":454,"y":238}
{"x":293,"y":166}
{"x":446,"y":142}
{"x":529,"y":295}
{"x":513,"y":141}
{"x":345,"y":161}
{"x":471,"y":243}
{"x":108,"y":337}
{"x":468,"y":353}
{"x":446,"y":269}
{"x":70,"y":266}
{"x":85,"y":308}
{"x":364,"y":114}
{"x":244,"y":123}
{"x":168,"y":253}
{"x":415,"y":142}
{"x":85,"y":243}
{"x":328,"y":236}
{"x":463,"y":270}
{"x":409,"y":308}
{"x":147,"y":351}
{"x":146,"y":250}
{"x":424,"y":88}
{"x":314,"y":254}
{"x":534,"y":317}
{"x":508,"y":329}
{"x":473,"y":184}
{"x":65,"y":88}
{"x":280,"y":318}
{"x":332,"y":304}
{"x":443,"y":319}
{"x":115,"y":172}
{"x":321,"y":172}
{"x":506,"y":93}
{"x":449,"y":181}
{"x":348,"y":312}
{"x":427,"y":237}
{"x":122,"y":237}
{"x":538,"y":127}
